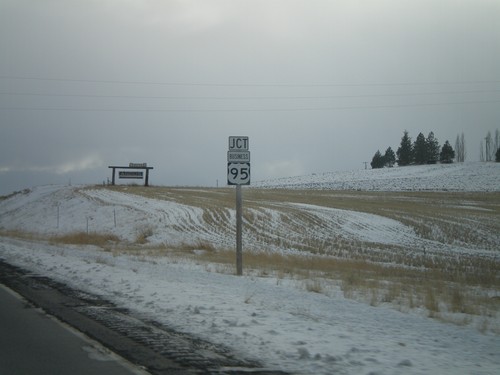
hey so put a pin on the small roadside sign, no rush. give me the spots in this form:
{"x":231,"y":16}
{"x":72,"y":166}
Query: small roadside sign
{"x":238,"y":156}
{"x":124,"y":174}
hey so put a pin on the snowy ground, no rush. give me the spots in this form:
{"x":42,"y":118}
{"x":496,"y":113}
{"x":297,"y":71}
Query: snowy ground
{"x":472,"y":176}
{"x":274,"y":320}
{"x":277,"y":323}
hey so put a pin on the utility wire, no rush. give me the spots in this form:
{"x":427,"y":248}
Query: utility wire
{"x":62,"y":109}
{"x":288,"y":97}
{"x":243,"y":84}
{"x":249,"y":97}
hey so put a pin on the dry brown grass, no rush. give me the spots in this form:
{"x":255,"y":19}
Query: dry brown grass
{"x":23,"y":235}
{"x":75,"y":238}
{"x":82,"y":238}
{"x":437,"y":290}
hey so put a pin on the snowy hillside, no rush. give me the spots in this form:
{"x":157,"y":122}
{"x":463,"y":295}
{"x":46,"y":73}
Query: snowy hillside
{"x":56,"y":210}
{"x":472,"y":176}
{"x":163,"y":264}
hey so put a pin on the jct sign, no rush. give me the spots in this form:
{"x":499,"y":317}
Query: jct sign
{"x":238,"y":143}
{"x":238,"y":161}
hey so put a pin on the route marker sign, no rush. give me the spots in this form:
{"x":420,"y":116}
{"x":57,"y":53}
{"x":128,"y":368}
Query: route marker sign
{"x":238,"y":173}
{"x":238,"y":161}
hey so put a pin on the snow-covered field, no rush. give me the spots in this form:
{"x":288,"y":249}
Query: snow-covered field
{"x":472,"y":176}
{"x":272,"y":318}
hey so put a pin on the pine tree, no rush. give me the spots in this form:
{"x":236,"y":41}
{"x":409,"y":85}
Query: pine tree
{"x":420,"y":149}
{"x":377,"y":160}
{"x":404,"y":152}
{"x":389,"y":158}
{"x":447,"y":153}
{"x":497,"y":156}
{"x":432,"y":148}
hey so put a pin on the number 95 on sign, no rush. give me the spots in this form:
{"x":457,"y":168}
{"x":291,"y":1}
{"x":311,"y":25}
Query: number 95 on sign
{"x":238,"y":173}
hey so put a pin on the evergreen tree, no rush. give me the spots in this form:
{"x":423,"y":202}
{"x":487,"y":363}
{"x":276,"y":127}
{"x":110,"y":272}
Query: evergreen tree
{"x":420,"y":149}
{"x":432,"y":148}
{"x":497,"y":156}
{"x":377,"y":160}
{"x":404,"y":152}
{"x":447,"y":153}
{"x":389,"y":158}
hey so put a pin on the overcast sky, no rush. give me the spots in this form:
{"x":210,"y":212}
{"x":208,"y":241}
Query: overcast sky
{"x":317,"y":85}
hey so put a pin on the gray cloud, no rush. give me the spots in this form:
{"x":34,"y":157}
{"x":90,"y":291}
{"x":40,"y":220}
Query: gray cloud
{"x":316,"y":85}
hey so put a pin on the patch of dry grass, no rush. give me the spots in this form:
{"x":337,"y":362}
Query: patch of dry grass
{"x":23,"y":235}
{"x":82,"y":238}
{"x":457,"y":288}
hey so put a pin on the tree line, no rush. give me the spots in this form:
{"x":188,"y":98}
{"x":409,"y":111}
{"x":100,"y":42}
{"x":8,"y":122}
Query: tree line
{"x":490,"y":149}
{"x":424,"y":150}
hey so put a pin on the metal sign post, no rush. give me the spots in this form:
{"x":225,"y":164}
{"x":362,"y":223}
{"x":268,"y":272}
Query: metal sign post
{"x":238,"y":173}
{"x":239,"y":231}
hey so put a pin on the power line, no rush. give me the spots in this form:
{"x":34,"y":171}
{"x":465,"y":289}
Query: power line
{"x":254,"y":97}
{"x":249,"y":97}
{"x":395,"y":106}
{"x":245,"y":84}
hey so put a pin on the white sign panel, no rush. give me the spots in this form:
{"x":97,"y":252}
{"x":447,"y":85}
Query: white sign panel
{"x":238,"y":144}
{"x":238,"y":156}
{"x":130,"y":174}
{"x":238,"y":173}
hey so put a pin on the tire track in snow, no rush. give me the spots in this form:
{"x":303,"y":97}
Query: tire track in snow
{"x":274,"y":226}
{"x":360,"y":225}
{"x":175,"y":223}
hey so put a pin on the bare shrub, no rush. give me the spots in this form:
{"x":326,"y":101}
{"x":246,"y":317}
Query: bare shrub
{"x":430,"y":302}
{"x":314,"y":286}
{"x":457,"y":300}
{"x":143,"y":234}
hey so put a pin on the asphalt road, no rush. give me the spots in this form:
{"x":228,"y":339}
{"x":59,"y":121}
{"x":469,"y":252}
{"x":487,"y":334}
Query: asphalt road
{"x":32,"y":342}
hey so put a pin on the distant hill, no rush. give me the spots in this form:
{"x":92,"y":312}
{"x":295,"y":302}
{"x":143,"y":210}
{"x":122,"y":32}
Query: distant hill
{"x":471,"y":176}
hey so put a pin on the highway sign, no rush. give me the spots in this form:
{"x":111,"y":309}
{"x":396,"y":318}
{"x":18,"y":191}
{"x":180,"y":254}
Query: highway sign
{"x":238,"y":143}
{"x":238,"y":173}
{"x":238,"y":156}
